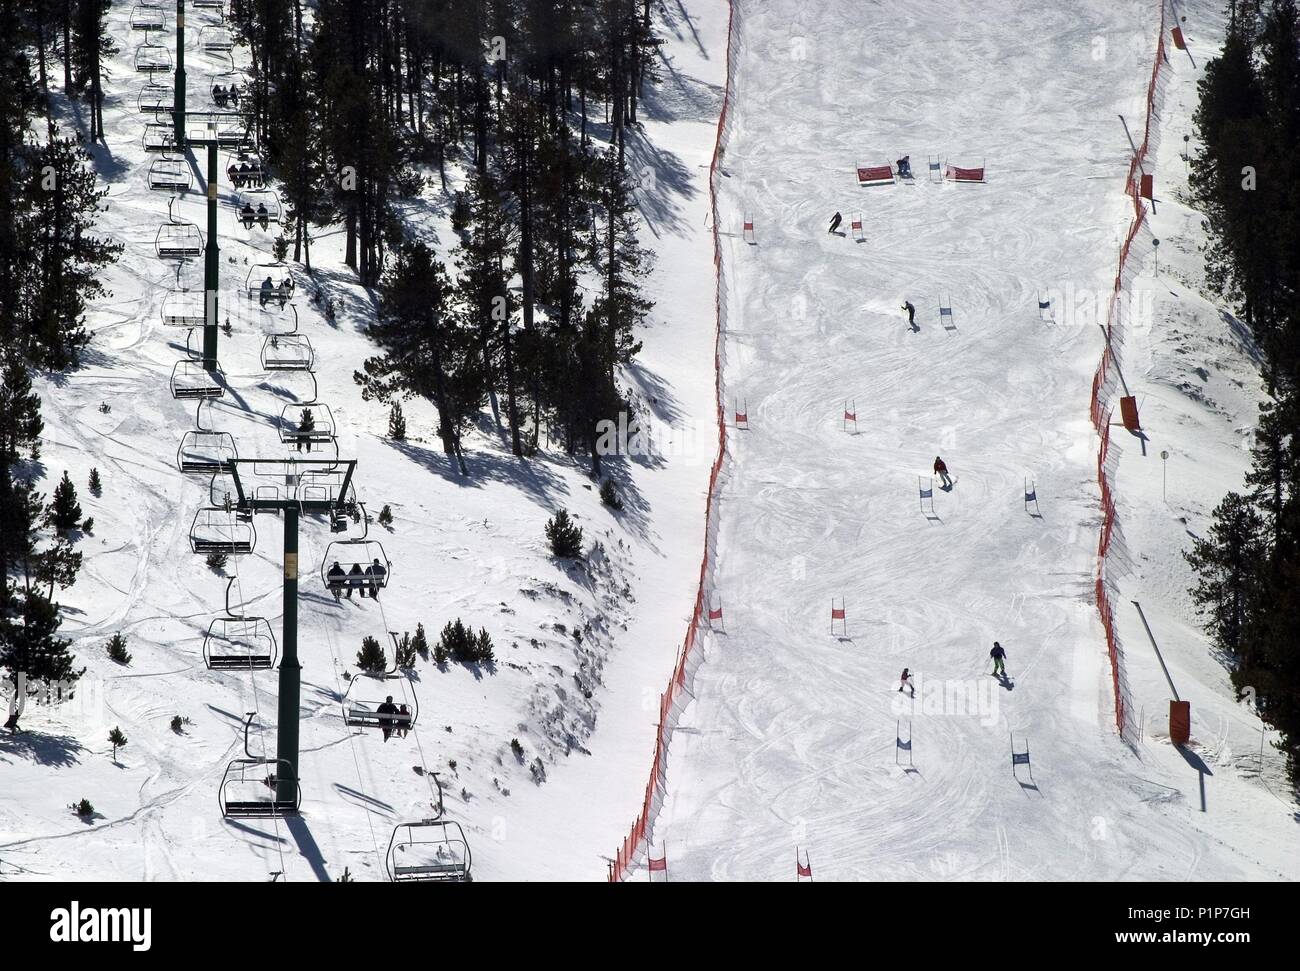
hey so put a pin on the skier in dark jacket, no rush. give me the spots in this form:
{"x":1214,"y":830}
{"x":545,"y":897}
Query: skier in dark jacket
{"x":905,"y":167}
{"x":835,"y":222}
{"x":905,"y":681}
{"x":999,"y":660}
{"x":387,"y":711}
{"x":941,"y":470}
{"x":911,"y":313}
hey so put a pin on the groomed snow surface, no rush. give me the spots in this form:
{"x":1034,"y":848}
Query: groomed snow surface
{"x":789,"y":743}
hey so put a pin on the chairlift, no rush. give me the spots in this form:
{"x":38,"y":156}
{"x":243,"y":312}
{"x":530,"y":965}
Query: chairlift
{"x":355,"y":564}
{"x":239,"y":643}
{"x":216,"y":39}
{"x":208,"y":5}
{"x":170,"y":174}
{"x":245,"y":170}
{"x":158,"y":137}
{"x":249,"y":786}
{"x":152,"y":56}
{"x":270,"y":283}
{"x":178,"y":241}
{"x":288,"y":352}
{"x":228,"y":129}
{"x":190,"y":379}
{"x":205,"y":452}
{"x":156,"y":98}
{"x":429,"y":851}
{"x":145,"y":17}
{"x":217,"y":529}
{"x":306,"y":424}
{"x":229,"y":88}
{"x":259,"y":207}
{"x":363,"y":709}
{"x":183,"y":308}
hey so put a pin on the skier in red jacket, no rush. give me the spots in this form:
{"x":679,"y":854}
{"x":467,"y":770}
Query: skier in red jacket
{"x":941,"y":471}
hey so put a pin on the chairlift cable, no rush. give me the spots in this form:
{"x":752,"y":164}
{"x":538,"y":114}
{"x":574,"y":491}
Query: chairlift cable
{"x":424,"y":763}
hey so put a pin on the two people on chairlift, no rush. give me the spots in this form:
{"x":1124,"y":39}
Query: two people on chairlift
{"x":268,"y":291}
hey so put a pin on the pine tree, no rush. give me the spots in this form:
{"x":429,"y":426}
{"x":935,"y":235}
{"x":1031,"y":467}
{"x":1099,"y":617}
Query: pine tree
{"x":65,"y":511}
{"x":396,"y":422}
{"x":1227,"y":566}
{"x":371,"y":656}
{"x":95,"y":485}
{"x":117,"y":649}
{"x":117,"y":740}
{"x":564,"y":536}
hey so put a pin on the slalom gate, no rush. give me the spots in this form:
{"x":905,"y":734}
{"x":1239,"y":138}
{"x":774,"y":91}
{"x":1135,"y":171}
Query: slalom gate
{"x":1137,"y":186}
{"x":673,"y":701}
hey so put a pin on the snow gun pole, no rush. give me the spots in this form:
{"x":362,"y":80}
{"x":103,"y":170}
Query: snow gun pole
{"x":211,"y":265}
{"x":286,"y":744}
{"x":178,"y":108}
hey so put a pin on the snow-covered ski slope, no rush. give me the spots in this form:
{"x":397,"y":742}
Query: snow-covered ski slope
{"x":788,"y":741}
{"x":468,"y":547}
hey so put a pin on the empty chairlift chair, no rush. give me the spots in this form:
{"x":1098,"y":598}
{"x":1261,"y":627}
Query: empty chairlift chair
{"x":191,"y":380}
{"x":151,"y":57}
{"x":239,"y":644}
{"x":178,"y":241}
{"x":430,"y":851}
{"x":288,"y":352}
{"x":158,"y":137}
{"x":144,"y":17}
{"x":209,"y":5}
{"x":206,"y":453}
{"x":156,"y":98}
{"x":183,"y":308}
{"x":216,"y":39}
{"x":307,"y":424}
{"x":170,"y":175}
{"x":220,"y":530}
{"x":249,"y":789}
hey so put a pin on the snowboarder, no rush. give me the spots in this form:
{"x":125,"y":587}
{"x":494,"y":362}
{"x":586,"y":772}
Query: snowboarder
{"x":911,"y":314}
{"x":835,"y":222}
{"x":999,"y":660}
{"x":336,"y":579}
{"x":905,"y":167}
{"x":356,"y":579}
{"x":941,"y":470}
{"x":905,"y":681}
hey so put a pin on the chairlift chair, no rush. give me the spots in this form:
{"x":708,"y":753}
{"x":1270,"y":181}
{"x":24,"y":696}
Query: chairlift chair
{"x":270,"y":283}
{"x":361,"y":708}
{"x":361,"y":564}
{"x":321,"y":431}
{"x":245,"y":170}
{"x":219,"y":530}
{"x":170,"y":175}
{"x":146,"y":18}
{"x":248,"y":789}
{"x":178,"y":241}
{"x":216,"y":39}
{"x":429,"y":851}
{"x":239,"y":643}
{"x":183,"y":308}
{"x":156,"y":98}
{"x":158,"y":137}
{"x":191,"y":380}
{"x":205,"y":453}
{"x":229,"y":129}
{"x":258,"y":207}
{"x":229,"y":88}
{"x":288,"y":352}
{"x":151,"y":57}
{"x":209,"y":5}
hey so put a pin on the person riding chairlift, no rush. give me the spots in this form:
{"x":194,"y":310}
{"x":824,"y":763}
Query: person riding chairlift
{"x":376,"y":573}
{"x":356,"y":579}
{"x":266,"y":291}
{"x":219,"y":95}
{"x":387,"y":722}
{"x":247,"y":216}
{"x":285,"y":290}
{"x":263,"y":216}
{"x":336,"y":580}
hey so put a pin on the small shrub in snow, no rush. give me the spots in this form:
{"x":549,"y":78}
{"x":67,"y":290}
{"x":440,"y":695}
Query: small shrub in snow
{"x":517,"y":748}
{"x":371,"y":656}
{"x":217,"y":561}
{"x":396,"y":423}
{"x":564,"y":536}
{"x":117,"y":649}
{"x":117,"y":740}
{"x":96,"y":486}
{"x":609,"y":495}
{"x":88,"y":525}
{"x":83,"y":809}
{"x":386,"y":516}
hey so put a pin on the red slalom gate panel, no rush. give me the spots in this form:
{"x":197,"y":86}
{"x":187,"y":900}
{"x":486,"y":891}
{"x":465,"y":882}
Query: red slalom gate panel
{"x":1147,"y":190}
{"x":1179,"y":42}
{"x":1180,"y":722}
{"x":958,"y":174}
{"x":875,"y":175}
{"x":659,"y":864}
{"x":1128,"y":410}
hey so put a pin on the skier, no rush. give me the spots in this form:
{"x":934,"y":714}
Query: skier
{"x":905,"y":681}
{"x":941,"y":470}
{"x":999,"y":660}
{"x":356,"y":579}
{"x":336,"y":579}
{"x":263,"y":216}
{"x":911,"y":314}
{"x":835,"y":222}
{"x":905,"y":167}
{"x":247,"y":216}
{"x":389,"y":711}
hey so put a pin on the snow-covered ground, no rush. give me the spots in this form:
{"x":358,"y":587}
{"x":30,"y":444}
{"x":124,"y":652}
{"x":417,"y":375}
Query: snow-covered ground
{"x":471,"y":548}
{"x":789,"y":742}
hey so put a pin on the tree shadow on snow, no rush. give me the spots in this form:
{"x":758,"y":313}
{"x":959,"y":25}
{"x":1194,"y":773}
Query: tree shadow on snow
{"x":42,"y":749}
{"x":530,"y":476}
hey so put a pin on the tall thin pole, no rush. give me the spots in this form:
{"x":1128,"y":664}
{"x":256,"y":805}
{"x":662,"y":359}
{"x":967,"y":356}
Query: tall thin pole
{"x":178,"y":108}
{"x":211,"y":264}
{"x":286,"y":747}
